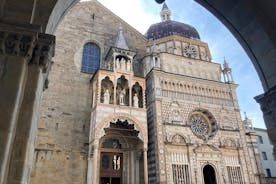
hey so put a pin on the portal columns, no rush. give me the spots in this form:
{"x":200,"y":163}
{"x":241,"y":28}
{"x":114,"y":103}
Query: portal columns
{"x":145,"y":153}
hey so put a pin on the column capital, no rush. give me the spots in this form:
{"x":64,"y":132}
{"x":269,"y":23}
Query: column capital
{"x":18,"y":39}
{"x":267,"y":102}
{"x":43,"y":51}
{"x":25,"y":40}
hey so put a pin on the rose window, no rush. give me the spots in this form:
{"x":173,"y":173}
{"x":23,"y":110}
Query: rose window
{"x":203,"y":124}
{"x":199,"y":125}
{"x":190,"y":51}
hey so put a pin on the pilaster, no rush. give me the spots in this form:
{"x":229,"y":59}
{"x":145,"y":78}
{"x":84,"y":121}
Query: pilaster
{"x":25,"y":59}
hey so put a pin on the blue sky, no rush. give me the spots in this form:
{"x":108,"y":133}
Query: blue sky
{"x":142,"y":13}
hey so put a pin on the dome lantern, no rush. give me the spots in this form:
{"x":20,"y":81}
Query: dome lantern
{"x":165,"y":13}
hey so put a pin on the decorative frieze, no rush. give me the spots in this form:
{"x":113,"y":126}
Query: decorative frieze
{"x":192,"y":97}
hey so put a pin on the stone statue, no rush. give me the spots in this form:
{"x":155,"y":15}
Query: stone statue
{"x":106,"y":97}
{"x":117,"y":63}
{"x":128,"y":65}
{"x":123,"y":64}
{"x":122,"y":97}
{"x":135,"y":100}
{"x":114,"y":162}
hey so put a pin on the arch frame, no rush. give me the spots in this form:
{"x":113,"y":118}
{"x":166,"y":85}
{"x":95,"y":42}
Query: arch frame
{"x":79,"y":52}
{"x":214,"y":168}
{"x":105,"y":123}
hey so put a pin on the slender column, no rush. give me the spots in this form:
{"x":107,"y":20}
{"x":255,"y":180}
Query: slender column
{"x":145,"y":165}
{"x":130,"y":96}
{"x":132,"y":166}
{"x":90,"y":168}
{"x":115,"y":91}
{"x":16,"y":49}
{"x":137,"y":166}
{"x":95,"y":166}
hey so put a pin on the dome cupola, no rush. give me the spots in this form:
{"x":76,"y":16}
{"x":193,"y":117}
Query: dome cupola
{"x":169,"y":27}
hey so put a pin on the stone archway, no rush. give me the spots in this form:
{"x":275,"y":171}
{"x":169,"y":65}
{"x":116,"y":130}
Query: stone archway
{"x":209,"y":175}
{"x":120,"y":156}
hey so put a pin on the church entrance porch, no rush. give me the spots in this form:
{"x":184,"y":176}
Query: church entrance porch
{"x":120,"y":158}
{"x":209,"y":175}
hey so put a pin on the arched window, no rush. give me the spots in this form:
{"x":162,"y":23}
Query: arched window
{"x":90,"y":58}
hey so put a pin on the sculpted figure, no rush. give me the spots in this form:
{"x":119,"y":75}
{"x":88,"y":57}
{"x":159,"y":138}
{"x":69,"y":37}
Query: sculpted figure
{"x":135,"y":100}
{"x":106,"y":97}
{"x":123,"y":64}
{"x":122,"y":97}
{"x":117,"y":63}
{"x":128,"y":65}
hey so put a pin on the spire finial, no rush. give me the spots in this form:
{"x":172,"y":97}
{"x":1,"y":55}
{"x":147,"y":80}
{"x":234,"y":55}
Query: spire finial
{"x":245,"y":115}
{"x":165,"y":13}
{"x":225,"y":64}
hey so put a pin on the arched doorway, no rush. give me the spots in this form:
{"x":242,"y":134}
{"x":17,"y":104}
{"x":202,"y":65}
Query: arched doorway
{"x":111,"y":162}
{"x":121,"y":158}
{"x":209,"y":174}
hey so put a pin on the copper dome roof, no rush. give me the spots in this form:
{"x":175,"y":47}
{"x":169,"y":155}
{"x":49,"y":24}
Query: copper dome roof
{"x":170,"y":27}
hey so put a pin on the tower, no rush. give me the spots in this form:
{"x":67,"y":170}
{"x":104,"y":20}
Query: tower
{"x":227,"y":72}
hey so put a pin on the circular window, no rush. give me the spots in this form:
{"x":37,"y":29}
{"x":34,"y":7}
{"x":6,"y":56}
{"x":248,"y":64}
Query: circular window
{"x":203,"y":124}
{"x":190,"y":51}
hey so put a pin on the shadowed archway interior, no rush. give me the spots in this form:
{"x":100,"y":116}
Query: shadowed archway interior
{"x":209,"y":175}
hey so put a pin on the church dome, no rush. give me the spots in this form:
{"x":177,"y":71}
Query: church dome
{"x":169,"y":27}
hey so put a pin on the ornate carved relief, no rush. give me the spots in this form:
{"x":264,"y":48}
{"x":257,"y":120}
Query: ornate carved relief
{"x":267,"y":101}
{"x":25,"y":41}
{"x":18,"y":44}
{"x":43,"y":51}
{"x":175,"y":114}
{"x":229,"y":143}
